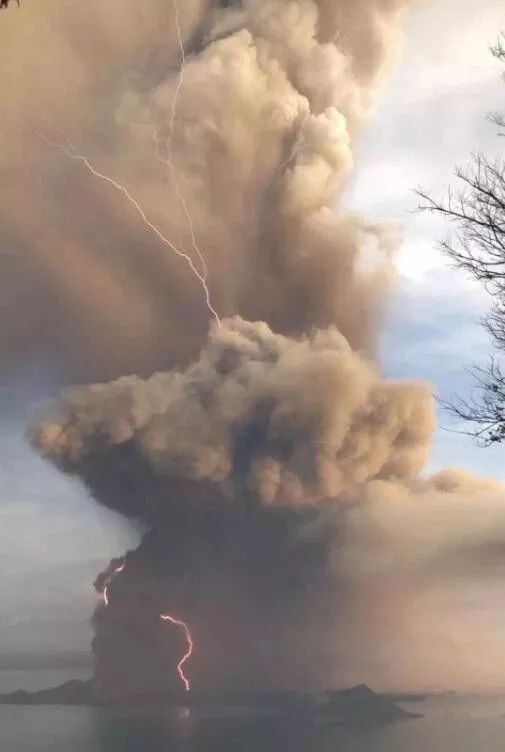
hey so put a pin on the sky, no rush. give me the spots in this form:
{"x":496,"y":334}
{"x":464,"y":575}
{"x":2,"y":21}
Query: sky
{"x":429,"y":118}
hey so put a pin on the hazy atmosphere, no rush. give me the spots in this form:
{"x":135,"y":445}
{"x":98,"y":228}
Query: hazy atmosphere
{"x":224,"y":333}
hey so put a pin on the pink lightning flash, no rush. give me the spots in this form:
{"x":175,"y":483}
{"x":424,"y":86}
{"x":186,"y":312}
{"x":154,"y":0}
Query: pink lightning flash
{"x":189,"y":651}
{"x":163,"y":617}
{"x":109,"y":579}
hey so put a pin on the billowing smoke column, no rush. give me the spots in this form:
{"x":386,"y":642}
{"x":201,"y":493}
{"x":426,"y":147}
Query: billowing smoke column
{"x":230,"y":462}
{"x":273,"y":97}
{"x":260,"y":416}
{"x":276,"y":472}
{"x":278,"y":479}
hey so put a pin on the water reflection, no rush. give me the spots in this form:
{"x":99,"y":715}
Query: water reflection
{"x":184,"y":730}
{"x":448,"y":725}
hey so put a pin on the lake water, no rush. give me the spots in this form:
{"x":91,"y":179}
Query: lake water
{"x":450,"y":724}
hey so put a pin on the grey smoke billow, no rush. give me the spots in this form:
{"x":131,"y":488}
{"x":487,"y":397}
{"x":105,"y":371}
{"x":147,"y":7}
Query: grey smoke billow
{"x":277,"y":477}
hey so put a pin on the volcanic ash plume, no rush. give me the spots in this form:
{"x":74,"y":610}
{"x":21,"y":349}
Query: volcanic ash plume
{"x":258,"y":415}
{"x":278,"y":479}
{"x":260,"y":135}
{"x":231,"y":464}
{"x":274,"y":472}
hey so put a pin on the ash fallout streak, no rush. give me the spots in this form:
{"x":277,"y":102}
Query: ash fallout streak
{"x":276,"y":477}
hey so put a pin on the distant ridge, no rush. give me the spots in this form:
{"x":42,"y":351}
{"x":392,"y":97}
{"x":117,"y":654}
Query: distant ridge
{"x":355,"y":706}
{"x":48,"y":661}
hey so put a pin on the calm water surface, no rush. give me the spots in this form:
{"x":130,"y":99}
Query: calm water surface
{"x":450,"y":724}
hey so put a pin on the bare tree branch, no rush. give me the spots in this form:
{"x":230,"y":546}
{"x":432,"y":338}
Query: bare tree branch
{"x":476,"y":245}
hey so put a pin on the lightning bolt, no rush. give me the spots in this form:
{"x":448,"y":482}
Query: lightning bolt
{"x":180,"y":78}
{"x":182,"y":202}
{"x":163,"y":617}
{"x":293,"y":152}
{"x":189,"y":651}
{"x":168,"y":161}
{"x":70,"y":152}
{"x":112,"y":575}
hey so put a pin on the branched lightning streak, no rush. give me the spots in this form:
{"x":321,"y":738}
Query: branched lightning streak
{"x":163,"y":617}
{"x":180,"y":78}
{"x":182,"y":201}
{"x":168,"y":161}
{"x":70,"y":152}
{"x":189,"y":651}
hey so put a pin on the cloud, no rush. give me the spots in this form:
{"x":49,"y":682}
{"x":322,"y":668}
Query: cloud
{"x":257,"y":413}
{"x":278,"y":475}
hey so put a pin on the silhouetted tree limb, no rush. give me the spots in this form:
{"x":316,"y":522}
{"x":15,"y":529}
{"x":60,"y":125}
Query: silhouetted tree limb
{"x":486,"y":409}
{"x":476,"y":210}
{"x":498,"y":50}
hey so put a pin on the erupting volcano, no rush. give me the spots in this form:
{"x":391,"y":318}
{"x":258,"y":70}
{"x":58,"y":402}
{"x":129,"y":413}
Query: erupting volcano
{"x":226,"y":315}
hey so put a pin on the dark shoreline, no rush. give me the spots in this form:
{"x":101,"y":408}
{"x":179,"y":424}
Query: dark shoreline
{"x":354,"y":706}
